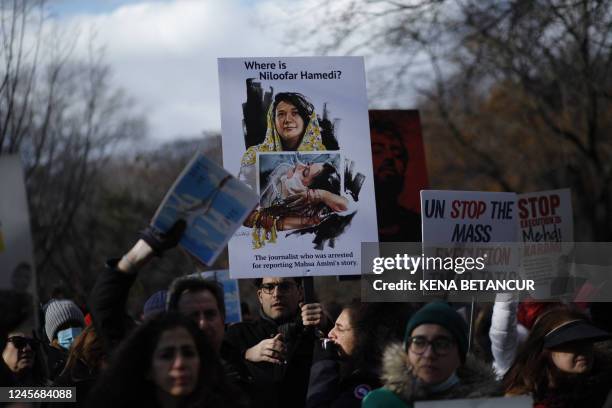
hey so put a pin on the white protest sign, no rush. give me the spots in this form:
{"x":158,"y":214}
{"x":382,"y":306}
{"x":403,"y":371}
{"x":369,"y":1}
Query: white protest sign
{"x":296,"y":130}
{"x":546,"y":220}
{"x":546,"y":216}
{"x":17,"y":270}
{"x":468,"y":216}
{"x":472,"y":224}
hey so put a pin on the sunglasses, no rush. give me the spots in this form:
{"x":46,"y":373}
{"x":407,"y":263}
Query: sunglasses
{"x":21,"y":342}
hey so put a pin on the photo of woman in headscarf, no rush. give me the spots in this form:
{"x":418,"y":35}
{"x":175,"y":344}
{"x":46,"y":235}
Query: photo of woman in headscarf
{"x":307,"y":201}
{"x":292,"y":125}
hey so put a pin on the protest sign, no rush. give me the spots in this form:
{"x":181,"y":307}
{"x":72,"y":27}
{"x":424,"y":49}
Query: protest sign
{"x":212,"y":202}
{"x":296,"y":130}
{"x":468,"y":216}
{"x":546,"y":228}
{"x":476,"y":227}
{"x":17,"y":270}
{"x":522,"y":401}
{"x":231,"y":293}
{"x":546,"y":216}
{"x":400,"y":173}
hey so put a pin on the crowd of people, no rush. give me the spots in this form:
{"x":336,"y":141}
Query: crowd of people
{"x":182,"y":354}
{"x":299,"y":352}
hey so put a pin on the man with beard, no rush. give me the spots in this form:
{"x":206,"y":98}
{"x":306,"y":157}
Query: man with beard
{"x":390,"y":159}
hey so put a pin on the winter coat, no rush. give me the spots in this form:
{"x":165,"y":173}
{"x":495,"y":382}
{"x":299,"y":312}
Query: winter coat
{"x":7,"y":378}
{"x":337,"y":384}
{"x":592,"y":391}
{"x":401,"y":389}
{"x":107,"y":303}
{"x":56,"y":360}
{"x":505,"y":333}
{"x":276,"y":385}
{"x":80,"y":376}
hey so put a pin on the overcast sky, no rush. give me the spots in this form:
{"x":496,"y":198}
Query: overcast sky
{"x":164,"y":53}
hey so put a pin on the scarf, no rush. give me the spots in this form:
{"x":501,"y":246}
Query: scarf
{"x":311,"y":140}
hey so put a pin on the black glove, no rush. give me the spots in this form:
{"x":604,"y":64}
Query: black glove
{"x":162,"y":241}
{"x":330,"y":352}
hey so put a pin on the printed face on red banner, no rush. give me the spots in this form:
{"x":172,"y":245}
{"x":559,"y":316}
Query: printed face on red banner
{"x":398,"y":161}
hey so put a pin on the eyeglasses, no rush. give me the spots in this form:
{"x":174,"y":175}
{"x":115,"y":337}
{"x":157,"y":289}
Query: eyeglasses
{"x":440,"y":345}
{"x":286,"y":286}
{"x":21,"y":342}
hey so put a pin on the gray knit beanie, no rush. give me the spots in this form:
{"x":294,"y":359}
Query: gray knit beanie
{"x":59,"y":312}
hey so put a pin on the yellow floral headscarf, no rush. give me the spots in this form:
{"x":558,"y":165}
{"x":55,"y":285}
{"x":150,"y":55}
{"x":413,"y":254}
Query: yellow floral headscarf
{"x":311,"y":141}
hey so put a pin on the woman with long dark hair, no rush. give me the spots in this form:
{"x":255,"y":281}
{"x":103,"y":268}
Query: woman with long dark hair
{"x":84,"y":365}
{"x":558,"y":364}
{"x":166,"y":362}
{"x":348,"y":367}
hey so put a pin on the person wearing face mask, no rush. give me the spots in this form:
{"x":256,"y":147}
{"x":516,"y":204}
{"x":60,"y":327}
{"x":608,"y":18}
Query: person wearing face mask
{"x":432,"y":363}
{"x":559,"y":364}
{"x":346,"y":366}
{"x":166,"y":362}
{"x":64,"y":321}
{"x":86,"y":361}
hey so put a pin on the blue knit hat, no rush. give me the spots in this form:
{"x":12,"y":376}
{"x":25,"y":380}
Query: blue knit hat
{"x":60,"y":312}
{"x":442,"y":314}
{"x":156,"y":303}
